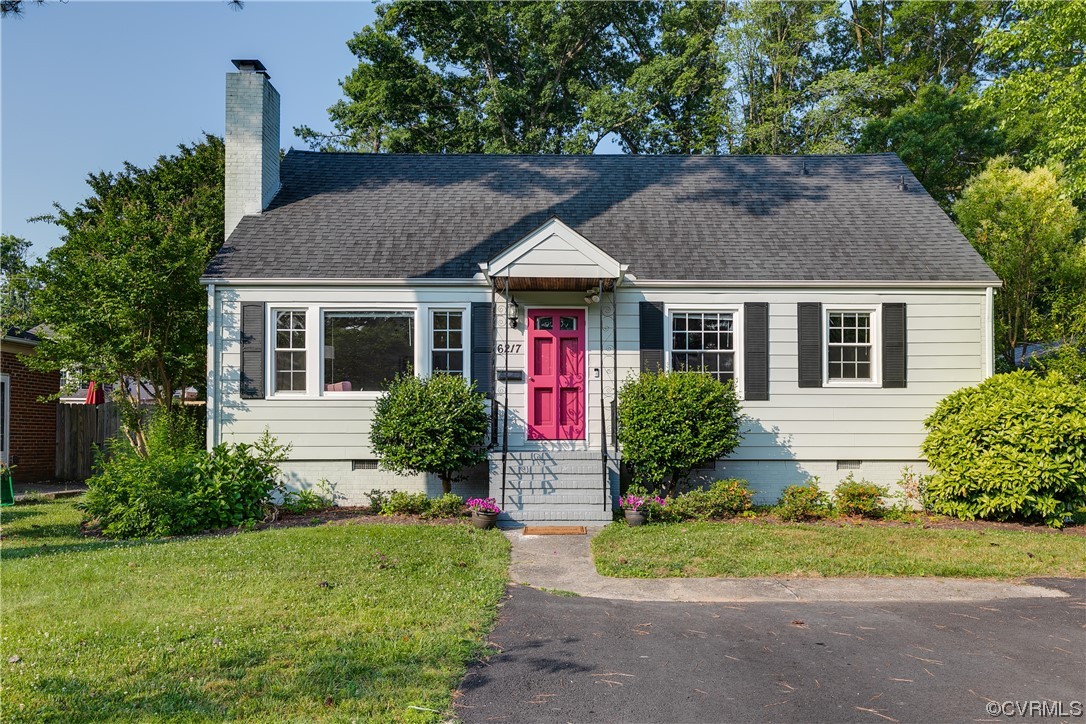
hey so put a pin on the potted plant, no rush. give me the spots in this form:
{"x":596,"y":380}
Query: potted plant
{"x":637,"y":504}
{"x":484,"y":512}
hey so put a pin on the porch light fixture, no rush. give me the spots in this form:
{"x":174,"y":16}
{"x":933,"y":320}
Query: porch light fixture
{"x":513,"y":312}
{"x":591,"y":296}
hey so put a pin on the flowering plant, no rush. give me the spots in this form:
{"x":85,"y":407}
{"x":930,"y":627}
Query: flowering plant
{"x":483,"y":505}
{"x":637,"y":498}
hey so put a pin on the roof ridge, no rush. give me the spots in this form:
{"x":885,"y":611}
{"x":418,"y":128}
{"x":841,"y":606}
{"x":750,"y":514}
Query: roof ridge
{"x":367,"y":154}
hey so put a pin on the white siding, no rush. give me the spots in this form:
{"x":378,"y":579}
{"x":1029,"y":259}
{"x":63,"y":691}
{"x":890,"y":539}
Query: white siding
{"x":798,"y":431}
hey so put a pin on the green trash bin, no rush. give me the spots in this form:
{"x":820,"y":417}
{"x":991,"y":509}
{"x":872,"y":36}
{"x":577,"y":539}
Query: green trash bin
{"x":7,"y":487}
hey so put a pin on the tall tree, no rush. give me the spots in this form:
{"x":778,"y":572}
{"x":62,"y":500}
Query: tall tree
{"x":1023,"y":224}
{"x":1040,"y":102}
{"x":943,"y":136}
{"x":778,"y":54}
{"x":15,"y":287}
{"x":121,"y":295}
{"x":491,"y":77}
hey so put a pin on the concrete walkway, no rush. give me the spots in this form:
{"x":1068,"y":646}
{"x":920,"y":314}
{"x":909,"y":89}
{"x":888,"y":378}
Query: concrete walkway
{"x":564,"y":563}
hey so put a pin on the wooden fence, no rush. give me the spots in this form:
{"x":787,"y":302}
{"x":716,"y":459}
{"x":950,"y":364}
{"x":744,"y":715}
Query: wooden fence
{"x":79,"y":429}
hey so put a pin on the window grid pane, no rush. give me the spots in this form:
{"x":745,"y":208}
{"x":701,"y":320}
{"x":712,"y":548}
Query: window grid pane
{"x":289,"y":357}
{"x":704,"y":341}
{"x":849,"y":346}
{"x":447,"y":345}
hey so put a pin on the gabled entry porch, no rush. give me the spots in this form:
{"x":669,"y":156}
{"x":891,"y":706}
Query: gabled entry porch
{"x":552,"y":355}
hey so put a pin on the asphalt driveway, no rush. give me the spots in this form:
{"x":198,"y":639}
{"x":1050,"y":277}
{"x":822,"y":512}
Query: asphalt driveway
{"x":563,"y":659}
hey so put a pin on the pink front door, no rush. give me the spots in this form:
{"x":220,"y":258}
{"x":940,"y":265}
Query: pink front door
{"x":556,"y":385}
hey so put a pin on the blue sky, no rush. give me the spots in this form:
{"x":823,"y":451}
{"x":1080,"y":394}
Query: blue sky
{"x":85,"y":86}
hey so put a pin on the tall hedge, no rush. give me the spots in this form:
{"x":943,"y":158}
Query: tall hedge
{"x":1011,"y":448}
{"x":672,"y":422}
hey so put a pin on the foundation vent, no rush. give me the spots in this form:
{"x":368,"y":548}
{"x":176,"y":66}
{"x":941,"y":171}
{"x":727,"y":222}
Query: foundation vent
{"x":849,"y":464}
{"x":363,"y":465}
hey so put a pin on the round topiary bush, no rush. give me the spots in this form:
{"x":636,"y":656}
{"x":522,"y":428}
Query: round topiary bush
{"x":1011,"y":448}
{"x":672,"y":422}
{"x":430,"y":425}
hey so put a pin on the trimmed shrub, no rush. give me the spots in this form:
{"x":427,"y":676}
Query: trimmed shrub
{"x":670,"y":423}
{"x":803,"y":502}
{"x":1010,"y":448}
{"x":448,"y":505}
{"x":403,"y":503}
{"x":723,"y":499}
{"x":430,"y":425}
{"x":859,"y":497}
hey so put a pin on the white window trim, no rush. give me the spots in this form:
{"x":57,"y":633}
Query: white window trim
{"x":465,"y":338}
{"x":875,"y":310}
{"x":738,"y":321}
{"x":270,"y":347}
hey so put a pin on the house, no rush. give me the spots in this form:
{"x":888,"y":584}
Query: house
{"x":28,"y":427}
{"x":832,"y":290}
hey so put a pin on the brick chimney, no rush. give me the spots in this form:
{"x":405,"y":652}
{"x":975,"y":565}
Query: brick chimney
{"x":252,"y":141}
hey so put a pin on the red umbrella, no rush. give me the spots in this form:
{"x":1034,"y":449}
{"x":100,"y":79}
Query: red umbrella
{"x":95,"y":396}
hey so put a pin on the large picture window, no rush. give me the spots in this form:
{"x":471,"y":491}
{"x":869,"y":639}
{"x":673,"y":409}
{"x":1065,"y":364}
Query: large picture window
{"x":364,"y":351}
{"x":289,"y":372}
{"x":849,"y":346}
{"x":704,"y":341}
{"x":447,"y":343}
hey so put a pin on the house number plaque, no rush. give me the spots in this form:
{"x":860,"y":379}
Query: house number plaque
{"x":511,"y":375}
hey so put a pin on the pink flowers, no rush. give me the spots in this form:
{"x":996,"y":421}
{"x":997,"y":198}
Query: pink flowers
{"x":637,"y":502}
{"x":483,"y":505}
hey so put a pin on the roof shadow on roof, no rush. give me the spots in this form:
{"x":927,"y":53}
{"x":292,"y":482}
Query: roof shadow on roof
{"x":442,"y":215}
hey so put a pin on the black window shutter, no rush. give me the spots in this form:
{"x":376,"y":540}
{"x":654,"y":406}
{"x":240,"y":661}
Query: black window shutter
{"x":756,"y":351}
{"x":482,"y":345}
{"x":252,"y":351}
{"x":894,"y":367}
{"x":810,"y":344}
{"x":652,"y":336}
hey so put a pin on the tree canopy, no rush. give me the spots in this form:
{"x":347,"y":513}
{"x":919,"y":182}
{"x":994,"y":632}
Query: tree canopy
{"x":121,"y":295}
{"x":1023,"y":224}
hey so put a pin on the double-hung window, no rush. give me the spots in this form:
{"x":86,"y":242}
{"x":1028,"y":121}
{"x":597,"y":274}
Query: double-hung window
{"x":365,"y":350}
{"x":447,"y":342}
{"x":704,"y":341}
{"x":290,"y":339}
{"x":850,"y":346}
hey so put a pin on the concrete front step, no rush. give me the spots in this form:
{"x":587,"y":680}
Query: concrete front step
{"x":553,"y":485}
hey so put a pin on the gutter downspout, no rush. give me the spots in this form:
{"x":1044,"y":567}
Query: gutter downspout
{"x":212,"y":405}
{"x":989,"y":332}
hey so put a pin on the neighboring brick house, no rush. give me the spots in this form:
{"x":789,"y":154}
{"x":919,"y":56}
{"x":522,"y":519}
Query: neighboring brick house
{"x":28,"y":428}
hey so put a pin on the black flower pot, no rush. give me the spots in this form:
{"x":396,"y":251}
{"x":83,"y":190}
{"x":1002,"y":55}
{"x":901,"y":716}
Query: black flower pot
{"x":482,"y":519}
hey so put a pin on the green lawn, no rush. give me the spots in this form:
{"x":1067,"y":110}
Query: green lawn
{"x":329,"y":622}
{"x":742,"y":548}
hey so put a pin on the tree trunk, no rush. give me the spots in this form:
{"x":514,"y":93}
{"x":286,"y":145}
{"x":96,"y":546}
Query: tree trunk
{"x":446,"y":482}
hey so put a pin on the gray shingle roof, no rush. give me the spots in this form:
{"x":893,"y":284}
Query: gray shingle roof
{"x":728,"y":218}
